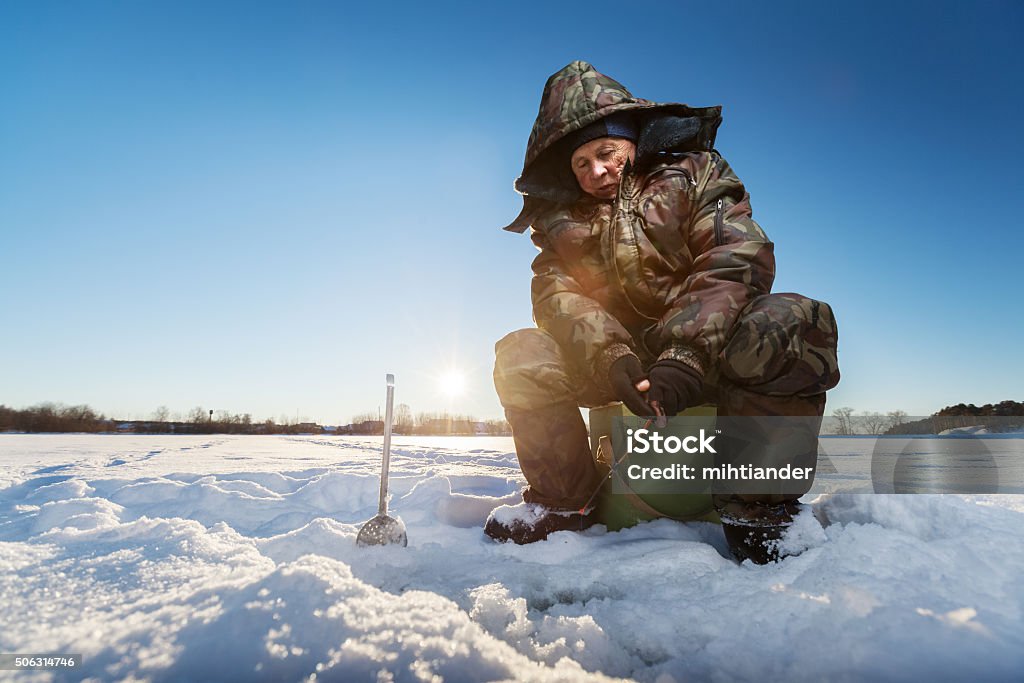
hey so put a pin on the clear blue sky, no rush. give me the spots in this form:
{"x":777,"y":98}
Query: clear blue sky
{"x":264,"y":207}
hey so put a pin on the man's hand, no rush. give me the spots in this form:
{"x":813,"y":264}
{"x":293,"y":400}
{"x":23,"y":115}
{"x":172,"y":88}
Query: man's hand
{"x":627,"y":379}
{"x":675,"y":386}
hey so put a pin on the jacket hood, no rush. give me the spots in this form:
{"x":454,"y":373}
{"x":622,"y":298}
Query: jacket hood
{"x":578,"y":95}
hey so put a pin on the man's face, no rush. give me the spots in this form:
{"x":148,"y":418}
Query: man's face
{"x":598,"y":165}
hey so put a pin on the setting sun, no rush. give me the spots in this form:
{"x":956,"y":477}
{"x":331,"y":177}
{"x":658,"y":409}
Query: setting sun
{"x":452,"y":383}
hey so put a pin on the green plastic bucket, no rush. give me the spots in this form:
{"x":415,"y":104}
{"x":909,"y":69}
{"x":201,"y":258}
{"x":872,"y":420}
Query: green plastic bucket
{"x":618,"y":504}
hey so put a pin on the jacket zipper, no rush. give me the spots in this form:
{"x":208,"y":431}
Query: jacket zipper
{"x":610,"y":240}
{"x":719,"y":239}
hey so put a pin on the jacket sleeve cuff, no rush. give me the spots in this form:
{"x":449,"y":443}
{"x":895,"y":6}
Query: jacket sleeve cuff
{"x":604,"y":361}
{"x":687,"y":356}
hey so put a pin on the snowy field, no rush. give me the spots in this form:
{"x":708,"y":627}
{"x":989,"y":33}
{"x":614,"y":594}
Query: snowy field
{"x":191,"y":558}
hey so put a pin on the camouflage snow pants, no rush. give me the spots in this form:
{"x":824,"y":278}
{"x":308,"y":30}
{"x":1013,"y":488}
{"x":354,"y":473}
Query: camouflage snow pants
{"x":779,"y":360}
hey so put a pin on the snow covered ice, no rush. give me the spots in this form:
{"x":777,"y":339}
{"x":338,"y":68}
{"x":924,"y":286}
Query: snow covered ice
{"x":234,"y":558}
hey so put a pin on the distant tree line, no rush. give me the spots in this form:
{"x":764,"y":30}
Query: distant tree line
{"x":55,"y":417}
{"x":52,"y":417}
{"x":991,"y":415}
{"x":844,"y":421}
{"x":200,"y":421}
{"x":1001,"y":409}
{"x":443,"y":423}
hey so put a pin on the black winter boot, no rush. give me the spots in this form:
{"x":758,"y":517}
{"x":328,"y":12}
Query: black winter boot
{"x":753,"y":530}
{"x":759,"y":544}
{"x":532,"y":522}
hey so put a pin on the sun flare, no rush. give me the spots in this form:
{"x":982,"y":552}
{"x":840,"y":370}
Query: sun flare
{"x":452,"y":383}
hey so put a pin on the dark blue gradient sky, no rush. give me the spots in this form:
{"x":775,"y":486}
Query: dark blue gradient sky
{"x":264,"y":207}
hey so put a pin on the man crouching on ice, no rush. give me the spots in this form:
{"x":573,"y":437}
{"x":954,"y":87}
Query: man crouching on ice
{"x":652,"y":287}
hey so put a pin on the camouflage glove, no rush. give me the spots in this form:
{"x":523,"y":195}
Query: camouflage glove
{"x":675,"y":386}
{"x":623,"y":377}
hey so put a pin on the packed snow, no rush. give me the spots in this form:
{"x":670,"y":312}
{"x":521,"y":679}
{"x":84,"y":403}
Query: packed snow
{"x":234,"y":558}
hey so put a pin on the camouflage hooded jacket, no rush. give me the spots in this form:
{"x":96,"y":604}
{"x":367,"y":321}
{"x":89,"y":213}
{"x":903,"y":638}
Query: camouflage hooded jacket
{"x":662,"y":271}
